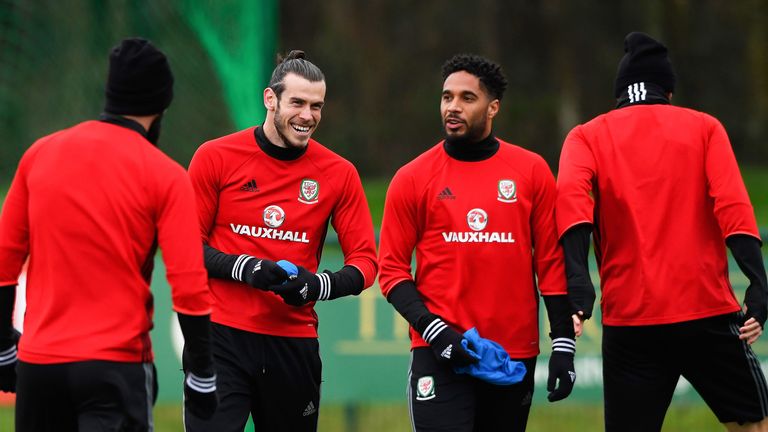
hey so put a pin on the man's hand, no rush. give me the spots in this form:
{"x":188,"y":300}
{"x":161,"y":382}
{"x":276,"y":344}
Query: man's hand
{"x":750,"y":331}
{"x":578,"y":323}
{"x":8,"y":361}
{"x":446,"y":343}
{"x":260,"y":273}
{"x":561,"y":369}
{"x":306,"y":287}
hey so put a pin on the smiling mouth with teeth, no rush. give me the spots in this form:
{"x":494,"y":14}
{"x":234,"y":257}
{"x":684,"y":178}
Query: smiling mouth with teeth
{"x":302,"y":129}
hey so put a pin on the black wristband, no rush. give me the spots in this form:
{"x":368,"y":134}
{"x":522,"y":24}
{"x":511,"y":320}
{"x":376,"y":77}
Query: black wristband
{"x":581,"y":291}
{"x":7,"y":301}
{"x":746,"y":252}
{"x":347,"y":281}
{"x":405,"y":298}
{"x":197,"y":343}
{"x":749,"y":258}
{"x":559,"y":313}
{"x":218,"y":264}
{"x":225,"y":266}
{"x":575,"y":243}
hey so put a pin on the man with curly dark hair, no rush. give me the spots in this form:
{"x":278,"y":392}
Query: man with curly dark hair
{"x":479,"y":212}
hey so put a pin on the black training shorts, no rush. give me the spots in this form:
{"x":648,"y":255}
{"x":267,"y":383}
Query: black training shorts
{"x":642,"y":364}
{"x":274,"y":379}
{"x":85,"y":396}
{"x":442,"y":400}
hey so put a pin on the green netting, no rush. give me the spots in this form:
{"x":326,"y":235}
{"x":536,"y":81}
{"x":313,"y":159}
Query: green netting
{"x":240,"y":38}
{"x":53,"y":62}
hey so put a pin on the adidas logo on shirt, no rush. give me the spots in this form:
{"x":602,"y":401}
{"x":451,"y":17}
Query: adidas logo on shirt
{"x":447,"y":352}
{"x":446,"y":194}
{"x":310,"y":409}
{"x":250,"y":186}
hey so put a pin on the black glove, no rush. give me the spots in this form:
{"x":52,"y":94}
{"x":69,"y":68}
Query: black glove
{"x":256,"y":272}
{"x":260,"y":273}
{"x":446,"y":343}
{"x":561,"y":369}
{"x":200,"y":396}
{"x":8,"y":361}
{"x":304,"y":288}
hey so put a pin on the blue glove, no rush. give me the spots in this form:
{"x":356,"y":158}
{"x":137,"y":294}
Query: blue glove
{"x":289,"y":268}
{"x":494,"y":365}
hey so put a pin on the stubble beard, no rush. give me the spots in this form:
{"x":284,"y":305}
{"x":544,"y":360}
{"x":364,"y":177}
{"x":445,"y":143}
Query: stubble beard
{"x":281,"y":127}
{"x":474,"y":133}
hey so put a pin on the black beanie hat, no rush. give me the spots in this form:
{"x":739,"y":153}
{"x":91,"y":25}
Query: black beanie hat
{"x":140,"y":81}
{"x":645,"y":60}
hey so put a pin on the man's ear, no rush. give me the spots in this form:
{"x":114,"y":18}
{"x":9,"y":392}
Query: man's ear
{"x":493,"y":108}
{"x":270,"y":99}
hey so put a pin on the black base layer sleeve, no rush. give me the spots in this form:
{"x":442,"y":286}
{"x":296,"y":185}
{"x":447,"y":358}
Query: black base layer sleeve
{"x":746,"y":252}
{"x":7,"y":301}
{"x":220,"y":264}
{"x":581,"y":291}
{"x":559,"y":313}
{"x":405,"y":298}
{"x":347,"y":281}
{"x":197,"y":356}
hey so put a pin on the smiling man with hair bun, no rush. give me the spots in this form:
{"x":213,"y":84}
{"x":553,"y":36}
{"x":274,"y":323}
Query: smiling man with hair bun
{"x":265,"y":198}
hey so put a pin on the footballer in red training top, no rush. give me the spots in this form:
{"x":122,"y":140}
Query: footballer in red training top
{"x":266,"y":196}
{"x":660,"y":188}
{"x":479,"y":213}
{"x":89,"y":206}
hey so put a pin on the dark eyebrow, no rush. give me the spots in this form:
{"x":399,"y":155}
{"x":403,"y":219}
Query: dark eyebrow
{"x":463,"y":93}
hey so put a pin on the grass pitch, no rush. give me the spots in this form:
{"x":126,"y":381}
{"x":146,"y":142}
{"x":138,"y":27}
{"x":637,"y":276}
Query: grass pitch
{"x":545,"y":417}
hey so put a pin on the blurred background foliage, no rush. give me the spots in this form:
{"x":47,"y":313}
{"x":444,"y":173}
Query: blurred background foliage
{"x":382,"y":63}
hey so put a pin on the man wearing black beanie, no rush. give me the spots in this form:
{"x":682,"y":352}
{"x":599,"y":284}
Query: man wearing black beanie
{"x":139,"y":84}
{"x":87,"y":208}
{"x":660,"y":188}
